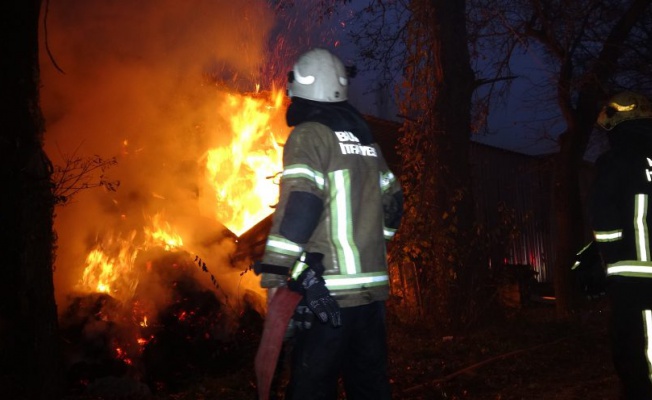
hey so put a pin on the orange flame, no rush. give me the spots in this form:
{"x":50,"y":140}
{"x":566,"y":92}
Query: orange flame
{"x":107,"y":261}
{"x":241,"y":173}
{"x":110,"y":266}
{"x":161,"y":233}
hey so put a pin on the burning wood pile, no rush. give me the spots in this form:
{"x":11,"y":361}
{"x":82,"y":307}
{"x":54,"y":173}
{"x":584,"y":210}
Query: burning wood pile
{"x":165,"y":290}
{"x":170,"y":329}
{"x":158,"y":301}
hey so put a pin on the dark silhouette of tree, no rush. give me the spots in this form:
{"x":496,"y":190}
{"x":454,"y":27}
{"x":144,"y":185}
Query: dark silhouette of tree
{"x":30,"y":362}
{"x":437,"y":234}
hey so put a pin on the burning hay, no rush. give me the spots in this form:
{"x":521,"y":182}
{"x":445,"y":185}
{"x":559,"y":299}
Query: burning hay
{"x":172,"y":328}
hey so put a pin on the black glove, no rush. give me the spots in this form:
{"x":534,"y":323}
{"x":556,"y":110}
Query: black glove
{"x":313,"y":287}
{"x":303,"y":317}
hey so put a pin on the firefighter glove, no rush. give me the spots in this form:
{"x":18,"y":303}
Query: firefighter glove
{"x":303,"y":318}
{"x":311,"y":284}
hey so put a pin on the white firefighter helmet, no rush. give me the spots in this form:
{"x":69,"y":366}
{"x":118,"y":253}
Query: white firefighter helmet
{"x":622,"y":107}
{"x":320,"y":76}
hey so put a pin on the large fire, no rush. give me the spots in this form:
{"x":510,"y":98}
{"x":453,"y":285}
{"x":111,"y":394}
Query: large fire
{"x":145,"y":281}
{"x":168,"y":90}
{"x":240,"y":175}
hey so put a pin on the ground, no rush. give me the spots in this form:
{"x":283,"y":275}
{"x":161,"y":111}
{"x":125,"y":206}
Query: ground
{"x":529,"y":355}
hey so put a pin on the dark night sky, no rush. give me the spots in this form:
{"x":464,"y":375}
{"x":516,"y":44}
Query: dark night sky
{"x":528,"y":122}
{"x":515,"y":126}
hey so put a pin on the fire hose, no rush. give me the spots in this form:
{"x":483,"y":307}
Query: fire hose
{"x":279,"y":313}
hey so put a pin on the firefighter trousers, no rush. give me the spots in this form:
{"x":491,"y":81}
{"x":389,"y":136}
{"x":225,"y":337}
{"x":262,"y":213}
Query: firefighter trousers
{"x":631,"y":335}
{"x":356,"y":352}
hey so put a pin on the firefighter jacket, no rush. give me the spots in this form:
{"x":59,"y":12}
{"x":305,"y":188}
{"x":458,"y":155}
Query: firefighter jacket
{"x":337,"y":197}
{"x":620,"y":201}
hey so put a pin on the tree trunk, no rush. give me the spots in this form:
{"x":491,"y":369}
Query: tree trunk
{"x":568,"y":218}
{"x":30,"y":362}
{"x":452,"y":115}
{"x":437,"y":231}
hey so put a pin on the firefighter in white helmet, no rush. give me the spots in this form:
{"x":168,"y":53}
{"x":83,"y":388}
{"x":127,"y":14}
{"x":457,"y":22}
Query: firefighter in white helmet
{"x":622,"y":224}
{"x":339,"y":204}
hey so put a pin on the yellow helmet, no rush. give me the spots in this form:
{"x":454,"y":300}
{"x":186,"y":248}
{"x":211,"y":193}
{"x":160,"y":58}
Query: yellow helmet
{"x":622,"y":107}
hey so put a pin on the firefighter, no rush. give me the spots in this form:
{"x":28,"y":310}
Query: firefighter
{"x":339,"y":204}
{"x":621,"y":223}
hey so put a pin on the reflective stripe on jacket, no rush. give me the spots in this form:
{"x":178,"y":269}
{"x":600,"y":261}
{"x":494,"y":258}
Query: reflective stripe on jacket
{"x":351,"y":179}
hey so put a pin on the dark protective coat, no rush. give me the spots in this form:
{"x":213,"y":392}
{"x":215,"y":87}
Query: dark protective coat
{"x":621,"y":221}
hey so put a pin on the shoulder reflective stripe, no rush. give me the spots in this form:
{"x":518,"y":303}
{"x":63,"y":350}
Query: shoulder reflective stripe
{"x":357,"y":281}
{"x":389,"y":233}
{"x":640,"y":228}
{"x":279,"y":244}
{"x":647,"y":330}
{"x":304,"y":171}
{"x":340,"y":206}
{"x":608,"y":236}
{"x":386,"y":180}
{"x":630,"y":268}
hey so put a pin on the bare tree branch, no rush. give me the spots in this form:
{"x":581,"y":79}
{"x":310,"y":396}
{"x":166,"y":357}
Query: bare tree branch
{"x":79,"y":173}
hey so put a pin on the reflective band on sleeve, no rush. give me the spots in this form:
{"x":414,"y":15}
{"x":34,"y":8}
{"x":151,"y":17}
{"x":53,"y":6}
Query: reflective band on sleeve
{"x":355,"y":282}
{"x":279,"y":244}
{"x":299,"y":266}
{"x":640,"y":228}
{"x":304,"y":171}
{"x":608,"y":236}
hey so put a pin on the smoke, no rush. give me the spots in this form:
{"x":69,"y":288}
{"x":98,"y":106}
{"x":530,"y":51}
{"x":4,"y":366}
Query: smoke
{"x":143,"y":81}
